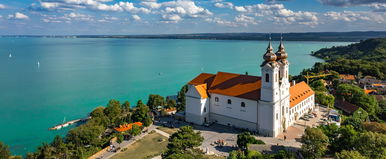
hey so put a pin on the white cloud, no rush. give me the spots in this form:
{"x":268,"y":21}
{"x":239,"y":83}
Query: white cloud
{"x":173,"y":18}
{"x":175,"y":11}
{"x":353,"y":16}
{"x":78,"y":16}
{"x":245,"y":20}
{"x":221,"y":22}
{"x":18,"y":15}
{"x":152,"y":5}
{"x":224,"y":5}
{"x":378,"y":7}
{"x":279,"y":14}
{"x":136,"y":17}
{"x":93,"y":4}
{"x":2,"y":6}
{"x":185,"y":8}
{"x":240,"y":9}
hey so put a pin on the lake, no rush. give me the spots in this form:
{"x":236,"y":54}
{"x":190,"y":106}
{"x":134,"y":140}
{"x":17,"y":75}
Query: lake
{"x":76,"y":75}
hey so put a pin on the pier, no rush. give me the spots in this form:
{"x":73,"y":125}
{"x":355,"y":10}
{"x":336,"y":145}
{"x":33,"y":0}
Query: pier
{"x":65,"y":124}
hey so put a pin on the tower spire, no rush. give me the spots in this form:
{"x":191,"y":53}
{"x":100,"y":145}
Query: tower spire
{"x":281,"y":54}
{"x":269,"y":55}
{"x":269,"y":48}
{"x":281,"y":46}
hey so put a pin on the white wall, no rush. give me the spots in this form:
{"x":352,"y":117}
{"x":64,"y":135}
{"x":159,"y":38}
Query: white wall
{"x":302,"y":108}
{"x":195,"y":107}
{"x":234,"y":110}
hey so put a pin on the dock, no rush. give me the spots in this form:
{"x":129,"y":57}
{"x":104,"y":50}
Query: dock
{"x":65,"y":124}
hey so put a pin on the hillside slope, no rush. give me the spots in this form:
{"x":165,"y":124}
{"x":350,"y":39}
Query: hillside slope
{"x":369,"y":50}
{"x":367,"y":57}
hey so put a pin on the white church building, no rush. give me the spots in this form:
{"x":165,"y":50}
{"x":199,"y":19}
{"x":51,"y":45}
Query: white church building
{"x":268,"y":104}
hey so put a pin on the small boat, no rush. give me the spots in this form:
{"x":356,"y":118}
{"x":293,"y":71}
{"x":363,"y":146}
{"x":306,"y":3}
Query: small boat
{"x":10,"y":55}
{"x":38,"y":64}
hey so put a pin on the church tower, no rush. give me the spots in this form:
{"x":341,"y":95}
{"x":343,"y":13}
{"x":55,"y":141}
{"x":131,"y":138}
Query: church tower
{"x":284,"y":86}
{"x":269,"y":116}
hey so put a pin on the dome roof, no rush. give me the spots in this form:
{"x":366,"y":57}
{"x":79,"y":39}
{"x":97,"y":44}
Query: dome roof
{"x":281,"y":54}
{"x":269,"y":55}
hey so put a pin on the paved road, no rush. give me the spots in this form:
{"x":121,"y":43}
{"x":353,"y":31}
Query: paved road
{"x":126,"y":143}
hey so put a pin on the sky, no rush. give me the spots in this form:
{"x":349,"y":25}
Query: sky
{"x":131,"y":17}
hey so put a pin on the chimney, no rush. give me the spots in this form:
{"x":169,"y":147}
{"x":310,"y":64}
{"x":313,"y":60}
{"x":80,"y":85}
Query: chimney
{"x":293,"y":82}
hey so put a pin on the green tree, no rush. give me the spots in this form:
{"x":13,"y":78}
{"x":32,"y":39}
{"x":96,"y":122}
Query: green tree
{"x":382,"y":110}
{"x":86,"y":134}
{"x":135,"y":130}
{"x":113,"y":110}
{"x":347,"y":138}
{"x":236,"y":154}
{"x":318,"y":86}
{"x":246,"y":138}
{"x":141,"y":114}
{"x":374,"y":127}
{"x":170,"y":103}
{"x":355,"y":95}
{"x":372,"y":145}
{"x":126,"y":107}
{"x":98,"y":116}
{"x":140,"y":103}
{"x":315,"y":143}
{"x":325,"y":99}
{"x":349,"y":155}
{"x":183,"y":140}
{"x":181,"y":99}
{"x":332,"y":132}
{"x":155,"y":100}
{"x":119,"y":138}
{"x":4,"y":151}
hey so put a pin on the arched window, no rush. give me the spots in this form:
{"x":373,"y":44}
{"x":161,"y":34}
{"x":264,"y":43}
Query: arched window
{"x":242,"y":104}
{"x":266,"y":77}
{"x":229,"y":101}
{"x":216,"y":99}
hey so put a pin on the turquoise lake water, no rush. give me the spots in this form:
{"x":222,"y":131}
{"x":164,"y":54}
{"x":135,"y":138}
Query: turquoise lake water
{"x":77,"y":75}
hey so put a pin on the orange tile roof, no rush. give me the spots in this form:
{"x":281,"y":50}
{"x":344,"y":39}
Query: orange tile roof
{"x":347,"y":77}
{"x":378,"y":84}
{"x":367,"y":91}
{"x":236,"y":85}
{"x":201,"y":89}
{"x":126,"y":127}
{"x":243,"y":86}
{"x":203,"y":78}
{"x":171,"y":109}
{"x":299,"y":92}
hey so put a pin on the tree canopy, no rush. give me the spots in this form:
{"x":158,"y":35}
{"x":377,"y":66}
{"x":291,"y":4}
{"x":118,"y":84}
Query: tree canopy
{"x":141,"y":114}
{"x":155,"y":100}
{"x":315,"y":143}
{"x":184,"y":140}
{"x":4,"y":151}
{"x":246,"y":138}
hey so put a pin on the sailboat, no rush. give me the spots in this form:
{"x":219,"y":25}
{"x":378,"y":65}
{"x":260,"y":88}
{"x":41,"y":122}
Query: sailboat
{"x":65,"y":124}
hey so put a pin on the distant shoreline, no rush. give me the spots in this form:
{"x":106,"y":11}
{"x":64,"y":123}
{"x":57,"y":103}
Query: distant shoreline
{"x":310,"y":36}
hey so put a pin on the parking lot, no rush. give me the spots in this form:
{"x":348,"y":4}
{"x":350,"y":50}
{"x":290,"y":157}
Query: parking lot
{"x":228,"y":135}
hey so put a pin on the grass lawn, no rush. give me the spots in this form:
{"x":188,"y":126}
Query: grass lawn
{"x":148,"y":147}
{"x":170,"y":131}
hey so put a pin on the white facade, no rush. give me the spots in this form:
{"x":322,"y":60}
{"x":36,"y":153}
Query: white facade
{"x":270,"y":114}
{"x":198,"y":110}
{"x":238,"y":112}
